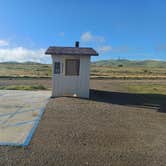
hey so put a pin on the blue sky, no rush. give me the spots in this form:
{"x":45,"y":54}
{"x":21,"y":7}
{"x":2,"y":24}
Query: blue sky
{"x":129,"y":29}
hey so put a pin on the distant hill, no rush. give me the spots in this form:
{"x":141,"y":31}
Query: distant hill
{"x":9,"y":62}
{"x":26,"y":63}
{"x":111,"y":63}
{"x":131,"y":63}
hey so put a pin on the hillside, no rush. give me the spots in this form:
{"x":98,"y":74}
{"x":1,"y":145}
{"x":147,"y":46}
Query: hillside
{"x":129,"y":63}
{"x":109,"y":63}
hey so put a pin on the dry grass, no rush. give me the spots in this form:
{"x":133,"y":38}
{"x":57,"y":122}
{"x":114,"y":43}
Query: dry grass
{"x":23,"y":87}
{"x":109,"y":72}
{"x":127,"y":72}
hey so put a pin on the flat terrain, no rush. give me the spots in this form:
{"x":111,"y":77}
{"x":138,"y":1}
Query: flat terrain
{"x":20,"y":112}
{"x":113,"y":69}
{"x":120,"y":125}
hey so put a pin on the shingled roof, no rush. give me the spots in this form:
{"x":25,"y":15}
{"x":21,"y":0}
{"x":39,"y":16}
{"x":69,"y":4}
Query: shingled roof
{"x":71,"y":51}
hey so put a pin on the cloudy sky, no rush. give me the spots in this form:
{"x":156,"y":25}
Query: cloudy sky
{"x":129,"y":29}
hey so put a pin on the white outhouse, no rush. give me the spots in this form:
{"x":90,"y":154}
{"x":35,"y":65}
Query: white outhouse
{"x":71,"y":70}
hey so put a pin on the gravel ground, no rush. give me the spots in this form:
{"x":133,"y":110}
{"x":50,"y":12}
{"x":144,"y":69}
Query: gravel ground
{"x":110,"y":129}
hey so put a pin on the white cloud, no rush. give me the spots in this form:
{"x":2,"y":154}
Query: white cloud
{"x":104,"y":49}
{"x":3,"y":43}
{"x":88,"y":37}
{"x":21,"y":54}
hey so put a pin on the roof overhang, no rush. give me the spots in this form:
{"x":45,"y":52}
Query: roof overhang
{"x":71,"y":51}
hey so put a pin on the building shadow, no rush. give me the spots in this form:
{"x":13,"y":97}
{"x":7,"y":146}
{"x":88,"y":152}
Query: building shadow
{"x":153,"y":101}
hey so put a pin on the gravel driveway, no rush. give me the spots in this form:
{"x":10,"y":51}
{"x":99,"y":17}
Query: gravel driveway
{"x":20,"y":112}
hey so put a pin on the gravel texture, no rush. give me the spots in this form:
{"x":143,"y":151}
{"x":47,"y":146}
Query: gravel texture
{"x":107,"y":130}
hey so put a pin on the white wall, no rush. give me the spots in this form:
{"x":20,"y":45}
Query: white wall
{"x":69,"y":85}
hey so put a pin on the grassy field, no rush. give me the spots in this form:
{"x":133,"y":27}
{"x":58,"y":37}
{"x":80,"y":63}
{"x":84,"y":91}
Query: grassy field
{"x":23,"y":87}
{"x":146,"y":88}
{"x":127,"y":72}
{"x":152,"y":89}
{"x":117,"y":70}
{"x":15,"y":76}
{"x":18,"y":74}
{"x":24,"y":70}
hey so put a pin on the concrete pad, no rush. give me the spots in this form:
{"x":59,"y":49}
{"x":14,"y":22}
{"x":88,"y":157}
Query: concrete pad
{"x":20,"y":112}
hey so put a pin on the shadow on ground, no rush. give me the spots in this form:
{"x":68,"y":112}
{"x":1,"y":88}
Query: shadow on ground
{"x":153,"y":101}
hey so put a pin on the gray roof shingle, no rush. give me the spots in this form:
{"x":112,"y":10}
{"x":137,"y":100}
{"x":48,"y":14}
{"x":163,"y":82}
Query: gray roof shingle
{"x":71,"y":51}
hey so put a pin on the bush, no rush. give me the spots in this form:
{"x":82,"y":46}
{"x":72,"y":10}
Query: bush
{"x":120,"y":65}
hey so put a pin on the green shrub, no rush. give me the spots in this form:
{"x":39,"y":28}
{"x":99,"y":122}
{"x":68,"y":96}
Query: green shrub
{"x":23,"y":87}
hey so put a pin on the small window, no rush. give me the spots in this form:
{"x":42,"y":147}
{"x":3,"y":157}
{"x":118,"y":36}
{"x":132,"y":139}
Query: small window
{"x":72,"y":67}
{"x":57,"y":68}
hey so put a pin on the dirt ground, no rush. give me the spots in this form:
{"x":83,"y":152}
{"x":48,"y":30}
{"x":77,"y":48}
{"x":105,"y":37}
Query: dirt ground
{"x":113,"y":128}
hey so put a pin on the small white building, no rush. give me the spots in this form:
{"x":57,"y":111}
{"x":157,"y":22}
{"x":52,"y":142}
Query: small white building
{"x":71,"y":70}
